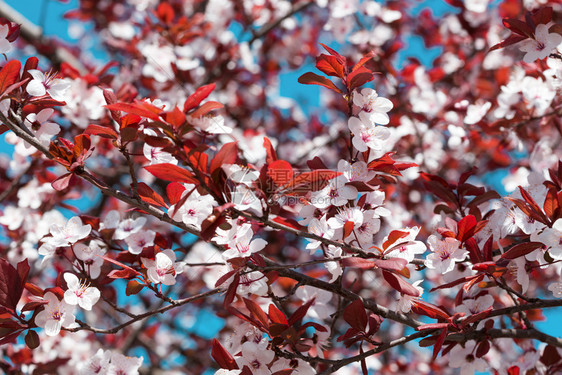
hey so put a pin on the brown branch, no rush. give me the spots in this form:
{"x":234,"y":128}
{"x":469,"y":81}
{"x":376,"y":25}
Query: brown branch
{"x":272,"y":25}
{"x":174,"y":304}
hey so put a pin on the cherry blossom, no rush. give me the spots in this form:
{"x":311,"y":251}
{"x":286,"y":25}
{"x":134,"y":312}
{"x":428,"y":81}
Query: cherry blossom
{"x":542,"y":44}
{"x":79,"y":293}
{"x":256,"y":357}
{"x":123,"y":365}
{"x":406,"y":247}
{"x":97,"y":364}
{"x":445,"y":254}
{"x":321,"y":229}
{"x":139,"y":240}
{"x":91,"y":256}
{"x":373,"y":107}
{"x":367,"y":137}
{"x":164,"y":268}
{"x":57,"y":314}
{"x":465,"y":358}
{"x":406,"y":301}
{"x":68,"y":234}
{"x":5,"y":45}
{"x":47,"y":84}
{"x":336,"y":193}
{"x":552,"y":238}
{"x":126,"y":227}
{"x":39,"y":125}
{"x":244,"y":246}
{"x":320,"y":309}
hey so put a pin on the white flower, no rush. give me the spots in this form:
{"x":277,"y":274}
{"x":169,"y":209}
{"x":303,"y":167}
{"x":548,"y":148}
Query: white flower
{"x":126,"y":227}
{"x":164,"y":268}
{"x":245,"y":199}
{"x":406,"y":301}
{"x":541,"y":46}
{"x":321,"y":229}
{"x":5,"y":45}
{"x":244,"y":246}
{"x":334,"y":267}
{"x":91,"y":255}
{"x":320,"y":308}
{"x":138,"y":241}
{"x":552,"y":238}
{"x":80,"y":293}
{"x":466,"y":360}
{"x":373,"y":107}
{"x":336,"y":193}
{"x":356,"y":172}
{"x":73,"y":231}
{"x":123,"y":365}
{"x":406,"y":247}
{"x":556,"y":289}
{"x":256,"y":357}
{"x":518,"y":268}
{"x":223,"y":371}
{"x":157,"y":155}
{"x":253,"y":283}
{"x":371,"y":225}
{"x":57,"y":314}
{"x":474,"y":306}
{"x":444,"y":255}
{"x":210,"y":124}
{"x":476,"y":112}
{"x":195,"y":209}
{"x":365,"y":137}
{"x":347,"y":214}
{"x":98,"y":364}
{"x":43,"y":84}
{"x":41,"y":128}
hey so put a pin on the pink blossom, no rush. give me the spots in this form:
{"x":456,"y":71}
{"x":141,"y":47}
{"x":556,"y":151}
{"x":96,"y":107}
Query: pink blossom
{"x":541,"y":46}
{"x":57,"y":314}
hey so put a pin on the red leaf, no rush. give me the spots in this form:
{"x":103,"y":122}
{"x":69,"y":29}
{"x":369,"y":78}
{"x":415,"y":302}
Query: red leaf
{"x":116,"y":262}
{"x":521,"y":249}
{"x":11,"y":285}
{"x":399,"y":284}
{"x":222,"y":356}
{"x":176,"y":118}
{"x":101,"y":131}
{"x":198,"y":96}
{"x":518,"y":27}
{"x":439,"y":344}
{"x":171,"y":172}
{"x":314,"y":79}
{"x":330,"y":65}
{"x":205,"y":109}
{"x":332,"y":52}
{"x":394,"y":236}
{"x":257,"y":313}
{"x":62,"y":182}
{"x":466,"y":228}
{"x":355,"y":262}
{"x":355,"y":315}
{"x":150,"y":196}
{"x":534,"y":206}
{"x":136,"y":109}
{"x":280,"y":171}
{"x":363,"y":60}
{"x":9,"y":75}
{"x":392,"y":264}
{"x":348,"y":228}
{"x":551,"y":205}
{"x":271,"y":155}
{"x":300,"y":312}
{"x":226,"y":155}
{"x":174,"y":191}
{"x":276,"y":315}
{"x":359,"y":77}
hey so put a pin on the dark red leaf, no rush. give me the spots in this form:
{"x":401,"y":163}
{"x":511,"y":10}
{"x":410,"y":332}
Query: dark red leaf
{"x":518,"y":27}
{"x":300,"y":313}
{"x":222,"y":356}
{"x":271,"y":155}
{"x":439,"y":344}
{"x":392,"y":264}
{"x":355,"y":315}
{"x":356,"y":262}
{"x":205,"y":109}
{"x":399,"y":284}
{"x":101,"y":131}
{"x":425,"y":308}
{"x":521,"y":249}
{"x":198,"y":96}
{"x":257,"y":313}
{"x":171,"y":172}
{"x":314,"y":79}
{"x":394,"y":236}
{"x":280,"y":171}
{"x":359,"y":77}
{"x":32,"y":339}
{"x":226,"y":155}
{"x":9,"y":75}
{"x":330,"y":65}
{"x":11,"y":285}
{"x":174,"y":192}
{"x":150,"y":196}
{"x":466,"y":228}
{"x":276,"y":316}
{"x":332,"y":52}
{"x":136,"y":109}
